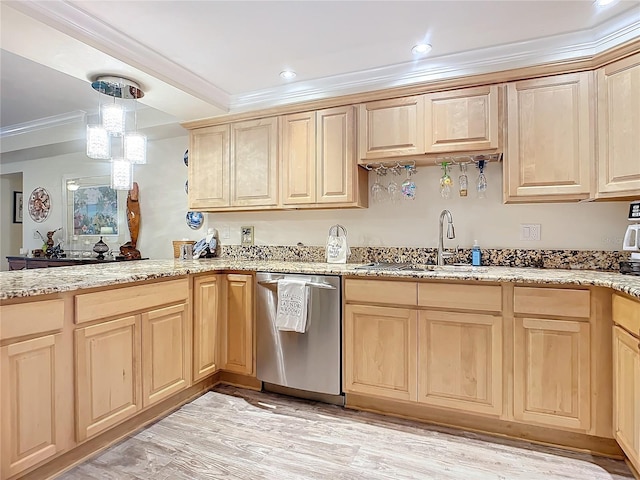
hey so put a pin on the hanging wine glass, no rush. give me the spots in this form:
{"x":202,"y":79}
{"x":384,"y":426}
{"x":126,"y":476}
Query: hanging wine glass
{"x":463,"y":181}
{"x":445,"y":181}
{"x":409,"y":186}
{"x":378,"y":191}
{"x":481,"y":184}
{"x":393,"y":188}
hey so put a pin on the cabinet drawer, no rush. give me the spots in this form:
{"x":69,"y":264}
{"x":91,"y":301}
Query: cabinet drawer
{"x":380,"y":291}
{"x":464,"y":297}
{"x":626,"y":313}
{"x":93,"y":306}
{"x":30,"y":318}
{"x":551,"y":301}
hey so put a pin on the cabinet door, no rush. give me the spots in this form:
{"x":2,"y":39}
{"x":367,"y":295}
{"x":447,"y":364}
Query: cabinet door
{"x":108,"y":375}
{"x":166,"y":357}
{"x":31,"y":403}
{"x":336,"y":165}
{"x":254,"y":170}
{"x":462,"y":120}
{"x":238,"y":336}
{"x":618,"y":127}
{"x":209,"y":167}
{"x":460,"y":361}
{"x":391,"y":128}
{"x":206,"y":311}
{"x":550,"y":138}
{"x":626,"y":393}
{"x":552,"y":373}
{"x":380,"y":351}
{"x":298,"y":158}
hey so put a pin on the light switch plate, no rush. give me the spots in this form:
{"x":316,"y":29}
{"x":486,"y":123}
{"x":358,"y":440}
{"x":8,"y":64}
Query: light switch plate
{"x":246,"y":236}
{"x":530,"y":232}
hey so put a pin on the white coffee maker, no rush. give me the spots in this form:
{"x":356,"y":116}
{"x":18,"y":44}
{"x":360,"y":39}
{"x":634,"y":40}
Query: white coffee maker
{"x":631,"y":242}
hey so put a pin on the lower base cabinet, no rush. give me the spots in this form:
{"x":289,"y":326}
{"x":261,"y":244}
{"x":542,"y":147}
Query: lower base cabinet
{"x":31,"y":374}
{"x":552,"y":373}
{"x":626,"y":393}
{"x":380,"y":351}
{"x":207,"y":310}
{"x":460,"y":361}
{"x":238,"y":345}
{"x":108,"y":375}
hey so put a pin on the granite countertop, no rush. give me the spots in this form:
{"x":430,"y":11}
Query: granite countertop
{"x":26,"y":283}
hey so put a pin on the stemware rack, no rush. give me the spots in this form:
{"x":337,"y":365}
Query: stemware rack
{"x":453,"y":160}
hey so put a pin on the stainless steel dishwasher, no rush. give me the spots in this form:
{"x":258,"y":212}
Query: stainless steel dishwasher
{"x":301,"y":364}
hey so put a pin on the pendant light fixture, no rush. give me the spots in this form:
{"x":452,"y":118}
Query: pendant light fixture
{"x":112,"y":139}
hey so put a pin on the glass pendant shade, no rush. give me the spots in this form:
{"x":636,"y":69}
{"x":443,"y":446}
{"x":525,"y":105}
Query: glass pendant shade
{"x":98,"y":143}
{"x":121,"y":174}
{"x":135,"y":148}
{"x":113,"y":118}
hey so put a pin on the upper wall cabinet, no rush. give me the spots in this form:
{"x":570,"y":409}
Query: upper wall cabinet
{"x":391,"y":128}
{"x":234,"y":167}
{"x":463,"y":120}
{"x":618,"y":129}
{"x":318,"y":160}
{"x":550,"y":148}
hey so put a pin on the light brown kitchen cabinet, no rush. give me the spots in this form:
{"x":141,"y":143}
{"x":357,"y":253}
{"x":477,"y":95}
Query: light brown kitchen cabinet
{"x":234,"y":166}
{"x":550,"y":139}
{"x":626,"y":376}
{"x":166,"y":353}
{"x":238,"y":347}
{"x":318,"y":159}
{"x":462,"y":120}
{"x":108,"y":374}
{"x":391,"y":128}
{"x":32,"y":375}
{"x":460,"y":361}
{"x":207,"y":310}
{"x":254,"y":163}
{"x":618,"y":127}
{"x":380,"y":351}
{"x":209,"y":167}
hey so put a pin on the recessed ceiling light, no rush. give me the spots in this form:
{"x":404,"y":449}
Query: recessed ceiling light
{"x":287,"y":74}
{"x":604,"y":3}
{"x":421,"y":49}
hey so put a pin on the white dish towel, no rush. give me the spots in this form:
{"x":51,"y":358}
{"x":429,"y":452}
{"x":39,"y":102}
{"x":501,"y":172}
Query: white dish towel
{"x":293,"y":301}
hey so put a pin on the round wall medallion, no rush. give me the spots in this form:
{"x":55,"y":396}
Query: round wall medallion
{"x":39,"y":205}
{"x":186,"y":157}
{"x":195,"y":219}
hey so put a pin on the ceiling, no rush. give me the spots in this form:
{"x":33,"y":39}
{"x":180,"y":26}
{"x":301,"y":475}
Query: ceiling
{"x":197,"y":59}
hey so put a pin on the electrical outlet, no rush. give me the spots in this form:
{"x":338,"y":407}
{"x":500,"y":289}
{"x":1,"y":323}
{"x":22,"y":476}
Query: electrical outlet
{"x":224,"y":232}
{"x":246,"y":235}
{"x":530,"y":231}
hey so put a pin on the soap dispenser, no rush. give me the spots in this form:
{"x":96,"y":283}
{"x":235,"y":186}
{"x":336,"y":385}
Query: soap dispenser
{"x":476,"y":260}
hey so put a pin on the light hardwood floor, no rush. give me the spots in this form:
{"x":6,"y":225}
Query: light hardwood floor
{"x":233,"y":433}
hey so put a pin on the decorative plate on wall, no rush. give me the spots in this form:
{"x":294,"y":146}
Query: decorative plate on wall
{"x":39,"y":205}
{"x":186,"y":157}
{"x":186,"y":187}
{"x":195,"y":219}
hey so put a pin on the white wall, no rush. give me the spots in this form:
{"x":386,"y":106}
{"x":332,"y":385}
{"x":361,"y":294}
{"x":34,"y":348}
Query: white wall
{"x":584,"y":226}
{"x":10,"y":233}
{"x":163,"y":203}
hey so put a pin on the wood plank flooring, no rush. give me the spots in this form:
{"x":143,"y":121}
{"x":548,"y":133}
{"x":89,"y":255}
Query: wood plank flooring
{"x":232,"y":433}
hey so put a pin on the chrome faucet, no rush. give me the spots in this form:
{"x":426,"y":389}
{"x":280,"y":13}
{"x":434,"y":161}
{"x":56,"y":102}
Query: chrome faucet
{"x":451,"y":233}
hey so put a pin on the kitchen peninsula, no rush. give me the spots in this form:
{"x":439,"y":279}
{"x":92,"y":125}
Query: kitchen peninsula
{"x":161,"y":332}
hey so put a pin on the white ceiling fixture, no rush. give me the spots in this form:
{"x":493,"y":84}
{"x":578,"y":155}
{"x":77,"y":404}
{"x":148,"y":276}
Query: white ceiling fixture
{"x":604,"y":3}
{"x":288,"y":74}
{"x":421,"y":48}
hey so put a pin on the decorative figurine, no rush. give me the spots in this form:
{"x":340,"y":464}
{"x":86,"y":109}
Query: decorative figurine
{"x":128,"y":251}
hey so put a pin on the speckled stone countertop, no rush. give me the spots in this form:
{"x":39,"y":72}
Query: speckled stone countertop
{"x":26,"y":283}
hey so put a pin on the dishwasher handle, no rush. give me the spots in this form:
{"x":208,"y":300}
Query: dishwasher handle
{"x":326,"y":286}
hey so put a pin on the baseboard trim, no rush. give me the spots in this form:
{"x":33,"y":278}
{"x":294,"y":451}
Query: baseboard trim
{"x":606,"y":447}
{"x":240,"y":380}
{"x":83,"y":451}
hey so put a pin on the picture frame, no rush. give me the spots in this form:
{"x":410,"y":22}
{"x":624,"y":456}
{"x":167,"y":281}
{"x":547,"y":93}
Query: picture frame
{"x":17,"y":207}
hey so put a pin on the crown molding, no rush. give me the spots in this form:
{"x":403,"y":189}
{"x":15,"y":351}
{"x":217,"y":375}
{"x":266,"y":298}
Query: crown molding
{"x":42,"y":123}
{"x":556,"y":49}
{"x":82,"y":26}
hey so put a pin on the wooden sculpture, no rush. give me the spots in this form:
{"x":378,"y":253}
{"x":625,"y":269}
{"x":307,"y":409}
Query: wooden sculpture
{"x":128,"y":250}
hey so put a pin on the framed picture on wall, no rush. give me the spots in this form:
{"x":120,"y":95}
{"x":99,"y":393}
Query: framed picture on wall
{"x":17,"y":207}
